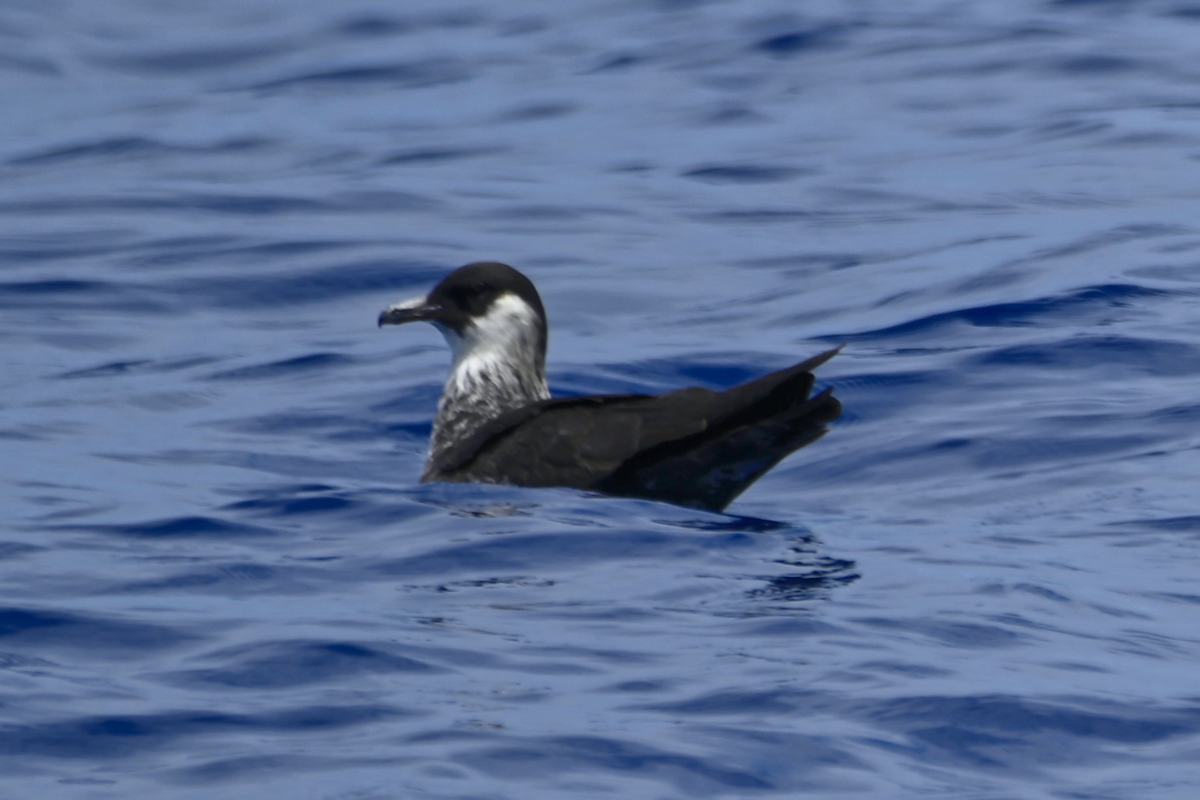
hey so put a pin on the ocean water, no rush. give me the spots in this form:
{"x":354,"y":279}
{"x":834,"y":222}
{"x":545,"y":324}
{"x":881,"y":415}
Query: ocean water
{"x":219,"y":577}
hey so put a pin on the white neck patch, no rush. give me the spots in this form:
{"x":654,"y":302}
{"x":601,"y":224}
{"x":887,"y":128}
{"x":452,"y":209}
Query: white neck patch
{"x":508,"y":332}
{"x":499,"y":365}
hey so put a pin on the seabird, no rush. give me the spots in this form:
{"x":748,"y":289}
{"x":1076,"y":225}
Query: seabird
{"x":497,"y":423}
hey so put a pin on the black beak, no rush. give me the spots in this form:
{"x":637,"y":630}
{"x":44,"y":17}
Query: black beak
{"x":417,"y":310}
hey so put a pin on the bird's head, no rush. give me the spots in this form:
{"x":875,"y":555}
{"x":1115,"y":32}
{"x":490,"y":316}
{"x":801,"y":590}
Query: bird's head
{"x":483,"y":309}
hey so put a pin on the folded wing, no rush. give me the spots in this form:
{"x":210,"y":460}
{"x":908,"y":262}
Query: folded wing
{"x":692,"y":447}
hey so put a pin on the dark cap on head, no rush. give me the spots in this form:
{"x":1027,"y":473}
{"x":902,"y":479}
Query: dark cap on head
{"x":468,"y":293}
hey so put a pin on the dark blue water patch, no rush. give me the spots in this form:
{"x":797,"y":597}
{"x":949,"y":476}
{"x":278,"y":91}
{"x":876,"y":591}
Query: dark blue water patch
{"x":67,"y":294}
{"x":1095,"y":64}
{"x":719,"y":376}
{"x":194,"y":527}
{"x":12,"y":550}
{"x":107,"y":370}
{"x":436,"y":155}
{"x":137,"y":367}
{"x":104,"y":148}
{"x":732,"y":522}
{"x":732,"y":115}
{"x":633,"y":166}
{"x":641,"y":687}
{"x":567,"y":754}
{"x":821,"y":575}
{"x":1175,"y":597}
{"x":315,"y":286}
{"x":429,"y":72}
{"x":287,"y":664}
{"x":373,"y":25}
{"x":1021,"y":314}
{"x":546,"y":213}
{"x":521,"y":553}
{"x":39,"y":434}
{"x":618,"y":61}
{"x":56,"y":286}
{"x":195,"y":59}
{"x":287,"y":368}
{"x":303,"y":488}
{"x":1033,"y":589}
{"x":1147,"y":140}
{"x":44,"y":628}
{"x":762,"y":215}
{"x":536,"y":112}
{"x":1186,"y":414}
{"x":254,"y":205}
{"x":1184,"y":524}
{"x":744,"y":173}
{"x":232,"y":204}
{"x":225,"y":250}
{"x":125,"y":736}
{"x":1112,"y":4}
{"x":113,"y":148}
{"x":803,"y":41}
{"x":1114,"y":354}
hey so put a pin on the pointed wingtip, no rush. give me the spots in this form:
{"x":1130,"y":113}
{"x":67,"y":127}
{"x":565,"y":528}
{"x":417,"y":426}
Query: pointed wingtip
{"x":820,"y":358}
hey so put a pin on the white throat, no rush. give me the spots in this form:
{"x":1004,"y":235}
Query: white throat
{"x":507,"y":337}
{"x":499,"y":365}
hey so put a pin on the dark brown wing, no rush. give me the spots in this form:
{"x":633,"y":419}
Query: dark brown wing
{"x":692,"y":446}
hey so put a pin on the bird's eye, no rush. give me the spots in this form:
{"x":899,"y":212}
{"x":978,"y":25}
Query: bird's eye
{"x":469,"y":295}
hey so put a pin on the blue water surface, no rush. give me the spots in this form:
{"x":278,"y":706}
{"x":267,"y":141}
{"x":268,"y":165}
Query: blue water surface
{"x":219,"y":577}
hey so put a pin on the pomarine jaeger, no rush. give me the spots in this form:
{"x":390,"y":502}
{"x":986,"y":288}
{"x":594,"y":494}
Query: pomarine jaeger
{"x":497,"y":423}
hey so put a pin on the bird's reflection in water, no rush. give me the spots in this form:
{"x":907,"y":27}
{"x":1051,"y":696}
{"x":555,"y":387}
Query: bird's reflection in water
{"x":815,"y":573}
